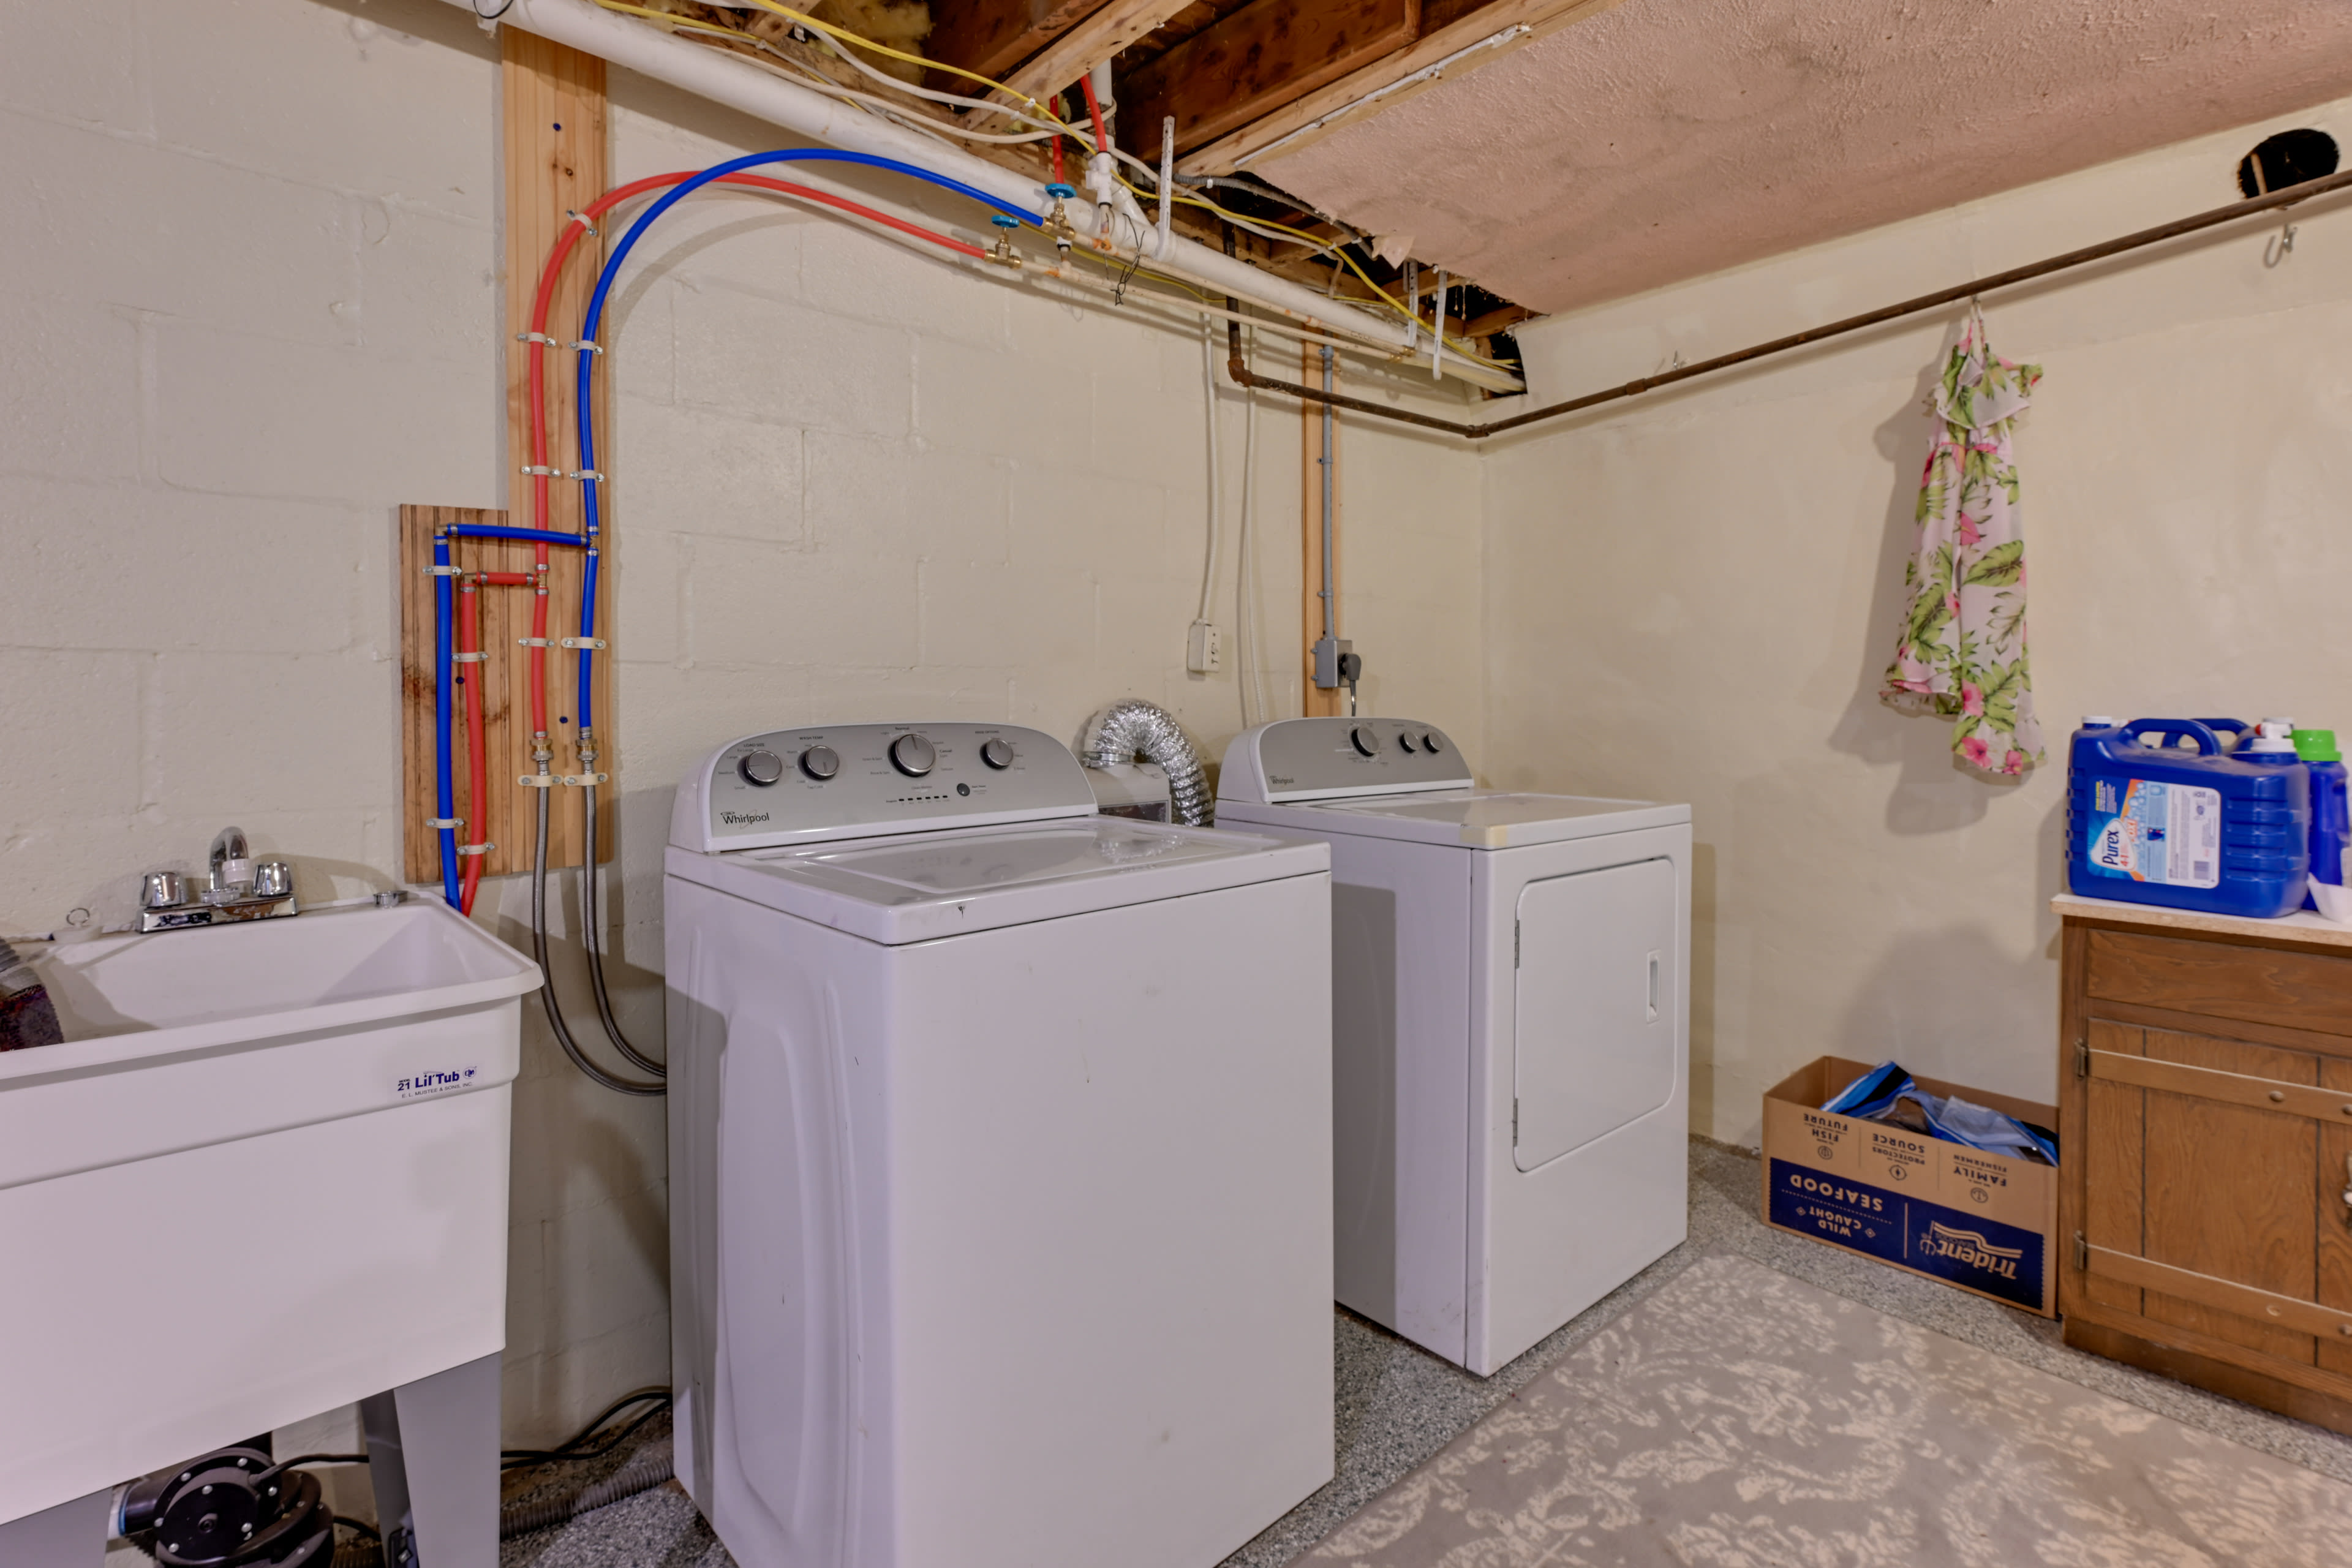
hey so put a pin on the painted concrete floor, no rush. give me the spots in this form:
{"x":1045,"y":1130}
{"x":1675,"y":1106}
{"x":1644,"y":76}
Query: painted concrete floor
{"x":1398,"y":1405}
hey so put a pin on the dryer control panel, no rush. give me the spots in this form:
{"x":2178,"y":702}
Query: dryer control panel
{"x":1323,"y":759}
{"x":858,"y":781}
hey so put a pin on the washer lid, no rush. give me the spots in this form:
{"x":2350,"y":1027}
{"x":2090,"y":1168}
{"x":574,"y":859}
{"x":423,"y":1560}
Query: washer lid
{"x":1480,"y":818}
{"x":915,"y":888}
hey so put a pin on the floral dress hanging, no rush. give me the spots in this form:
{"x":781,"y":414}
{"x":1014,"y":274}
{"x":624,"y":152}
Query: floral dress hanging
{"x":1963,"y":649}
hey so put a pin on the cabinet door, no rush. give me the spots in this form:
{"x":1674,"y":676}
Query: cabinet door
{"x":2224,"y":1171}
{"x":1595,"y":1040}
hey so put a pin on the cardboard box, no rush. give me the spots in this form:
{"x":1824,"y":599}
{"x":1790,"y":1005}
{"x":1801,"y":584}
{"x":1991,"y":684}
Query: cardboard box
{"x":1987,"y":1223}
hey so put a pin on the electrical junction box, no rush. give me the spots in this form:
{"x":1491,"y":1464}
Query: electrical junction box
{"x":1205,"y":649}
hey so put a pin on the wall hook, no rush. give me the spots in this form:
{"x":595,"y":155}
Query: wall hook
{"x":2282,"y":245}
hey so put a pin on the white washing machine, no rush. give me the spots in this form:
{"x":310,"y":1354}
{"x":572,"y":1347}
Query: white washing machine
{"x":1000,"y":1151}
{"x":1509,"y":1041}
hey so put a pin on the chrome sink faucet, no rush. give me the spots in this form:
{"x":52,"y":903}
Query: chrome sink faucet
{"x":238,"y":888}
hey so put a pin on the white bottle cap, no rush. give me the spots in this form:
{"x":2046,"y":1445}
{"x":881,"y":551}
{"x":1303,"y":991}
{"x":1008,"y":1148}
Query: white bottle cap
{"x":2267,"y":741}
{"x":2278,"y":726}
{"x":2097,"y":722}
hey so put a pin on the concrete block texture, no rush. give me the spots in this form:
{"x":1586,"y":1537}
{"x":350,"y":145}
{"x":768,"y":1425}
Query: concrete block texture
{"x":116,"y":221}
{"x":69,"y":404}
{"x":784,"y":364}
{"x":243,"y":575}
{"x":67,"y":63}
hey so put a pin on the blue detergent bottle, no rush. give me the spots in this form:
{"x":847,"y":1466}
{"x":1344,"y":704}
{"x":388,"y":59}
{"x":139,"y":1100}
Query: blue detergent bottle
{"x":2225,"y":834}
{"x":2331,"y":823}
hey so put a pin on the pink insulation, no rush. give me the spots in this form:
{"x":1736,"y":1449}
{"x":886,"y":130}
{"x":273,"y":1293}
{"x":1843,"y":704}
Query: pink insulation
{"x":1662,"y":139}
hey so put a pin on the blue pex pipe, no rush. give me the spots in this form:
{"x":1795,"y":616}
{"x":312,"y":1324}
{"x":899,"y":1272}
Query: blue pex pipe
{"x":444,"y":789}
{"x":596,"y":315}
{"x":527,"y":535}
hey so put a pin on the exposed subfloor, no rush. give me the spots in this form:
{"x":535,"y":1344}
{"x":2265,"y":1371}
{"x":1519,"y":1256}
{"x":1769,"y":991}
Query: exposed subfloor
{"x":1398,"y":1405}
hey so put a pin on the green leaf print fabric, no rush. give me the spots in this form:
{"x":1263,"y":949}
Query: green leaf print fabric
{"x":1961,"y":651}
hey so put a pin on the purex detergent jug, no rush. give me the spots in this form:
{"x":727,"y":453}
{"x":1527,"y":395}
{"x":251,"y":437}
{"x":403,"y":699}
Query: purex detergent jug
{"x":2157,"y":825}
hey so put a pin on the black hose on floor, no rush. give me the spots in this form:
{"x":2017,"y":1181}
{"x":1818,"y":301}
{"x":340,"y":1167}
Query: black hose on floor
{"x":641,"y":1474}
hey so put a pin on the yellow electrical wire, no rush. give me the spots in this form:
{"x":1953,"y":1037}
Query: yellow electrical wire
{"x":1187,"y":197}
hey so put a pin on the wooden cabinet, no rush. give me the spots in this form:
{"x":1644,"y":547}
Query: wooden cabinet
{"x":2205,"y":1191}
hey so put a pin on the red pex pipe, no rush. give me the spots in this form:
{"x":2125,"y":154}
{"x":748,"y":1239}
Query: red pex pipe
{"x":1102,"y":137}
{"x":556,"y":257}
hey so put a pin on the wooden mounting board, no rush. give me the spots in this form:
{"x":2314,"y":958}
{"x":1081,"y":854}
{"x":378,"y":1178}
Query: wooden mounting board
{"x":506,"y":816}
{"x":553,"y":141}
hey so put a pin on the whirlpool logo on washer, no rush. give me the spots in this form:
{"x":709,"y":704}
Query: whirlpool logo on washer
{"x":743,"y":819}
{"x":435,"y":1080}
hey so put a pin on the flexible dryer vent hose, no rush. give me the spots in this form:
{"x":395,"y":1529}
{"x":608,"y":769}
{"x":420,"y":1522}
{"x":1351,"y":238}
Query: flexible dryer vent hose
{"x":1115,"y":736}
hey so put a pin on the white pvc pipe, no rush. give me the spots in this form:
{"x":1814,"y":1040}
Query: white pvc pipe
{"x":712,"y":74}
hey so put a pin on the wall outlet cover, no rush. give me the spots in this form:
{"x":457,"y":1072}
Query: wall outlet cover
{"x":1204,"y":649}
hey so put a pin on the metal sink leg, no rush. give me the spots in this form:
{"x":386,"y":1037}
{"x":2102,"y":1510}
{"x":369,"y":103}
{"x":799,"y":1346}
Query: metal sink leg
{"x":433,"y":1458}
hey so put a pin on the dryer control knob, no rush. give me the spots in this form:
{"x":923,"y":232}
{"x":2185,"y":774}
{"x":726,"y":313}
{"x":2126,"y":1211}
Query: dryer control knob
{"x":1405,"y":743}
{"x":820,"y":763}
{"x":996,"y":752}
{"x":1366,"y":743}
{"x":762,"y":768}
{"x":1429,"y":744}
{"x":913,"y":756}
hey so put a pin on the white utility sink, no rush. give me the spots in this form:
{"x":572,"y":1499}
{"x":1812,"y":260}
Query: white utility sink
{"x":265,"y":1176}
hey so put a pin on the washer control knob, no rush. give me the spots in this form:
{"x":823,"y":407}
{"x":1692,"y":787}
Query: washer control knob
{"x":820,"y":763}
{"x":1366,"y":742}
{"x":1405,"y":743}
{"x":761,"y":767}
{"x":996,"y":752}
{"x":913,"y":756}
{"x":1429,"y":743}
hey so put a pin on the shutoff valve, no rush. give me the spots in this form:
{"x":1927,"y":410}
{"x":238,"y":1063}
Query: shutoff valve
{"x":1057,"y":223}
{"x":1004,"y":254}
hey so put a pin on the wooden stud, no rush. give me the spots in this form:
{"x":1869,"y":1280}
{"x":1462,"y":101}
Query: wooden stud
{"x":1310,"y":374}
{"x":1092,"y":41}
{"x":556,"y":149}
{"x":1343,"y":102}
{"x":1261,"y":57}
{"x":555,"y":143}
{"x":991,"y":36}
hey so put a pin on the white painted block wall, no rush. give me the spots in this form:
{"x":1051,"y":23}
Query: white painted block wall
{"x":249,"y":305}
{"x":1696,"y":595}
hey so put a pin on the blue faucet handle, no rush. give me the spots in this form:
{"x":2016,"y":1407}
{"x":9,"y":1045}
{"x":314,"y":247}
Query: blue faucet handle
{"x":1001,"y":221}
{"x":1060,"y":191}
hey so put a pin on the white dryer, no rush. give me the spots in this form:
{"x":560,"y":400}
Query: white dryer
{"x":1000,"y":1160}
{"x":1509,"y":1041}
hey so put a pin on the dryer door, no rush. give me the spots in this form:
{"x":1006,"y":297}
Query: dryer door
{"x":1595,"y":1040}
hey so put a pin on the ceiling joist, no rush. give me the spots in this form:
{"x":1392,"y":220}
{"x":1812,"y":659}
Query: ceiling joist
{"x":1258,"y":58}
{"x":1078,"y":50}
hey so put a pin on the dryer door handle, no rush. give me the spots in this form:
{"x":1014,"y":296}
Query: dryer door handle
{"x":1654,"y":986}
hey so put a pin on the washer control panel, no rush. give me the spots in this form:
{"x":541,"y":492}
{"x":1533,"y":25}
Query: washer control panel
{"x":849,"y":781}
{"x":1324,"y":758}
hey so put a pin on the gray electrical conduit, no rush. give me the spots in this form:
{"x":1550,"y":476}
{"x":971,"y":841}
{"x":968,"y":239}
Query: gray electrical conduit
{"x":1115,"y":736}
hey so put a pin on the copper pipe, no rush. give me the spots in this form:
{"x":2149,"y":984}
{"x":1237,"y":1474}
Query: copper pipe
{"x":1243,"y":376}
